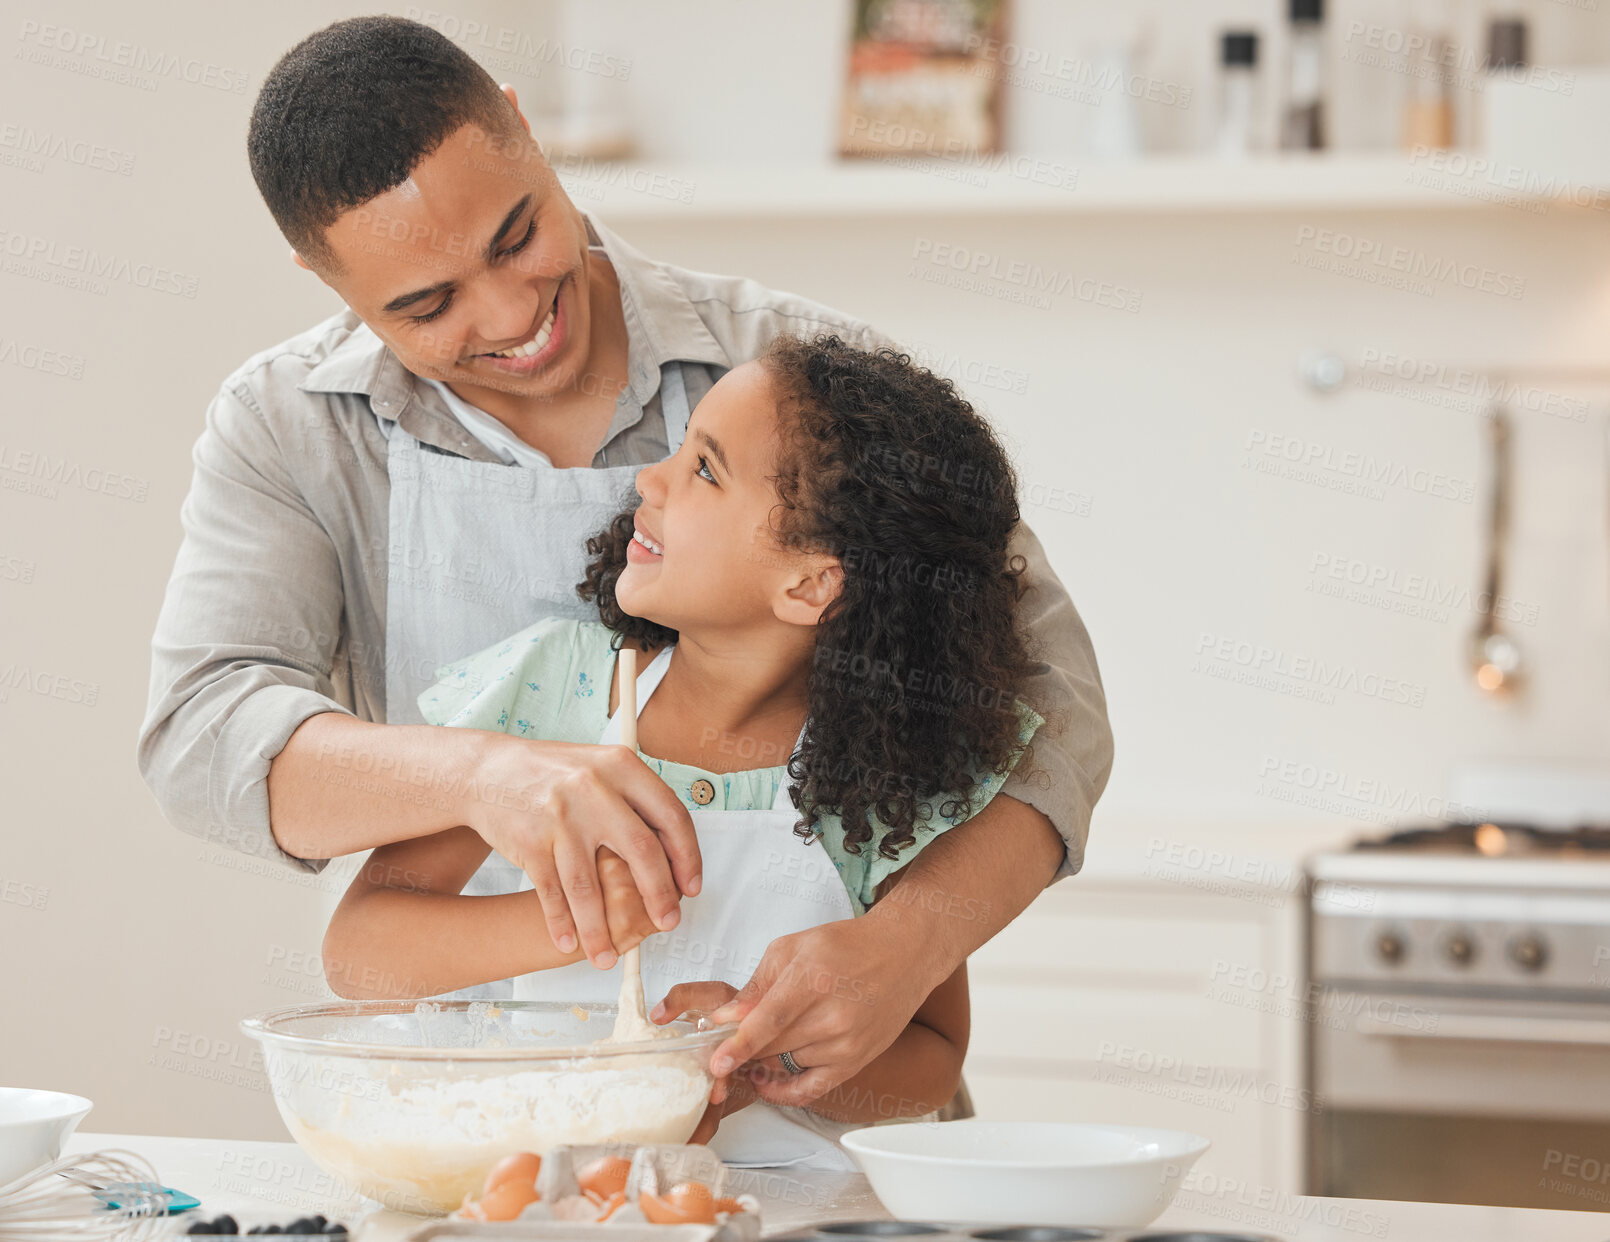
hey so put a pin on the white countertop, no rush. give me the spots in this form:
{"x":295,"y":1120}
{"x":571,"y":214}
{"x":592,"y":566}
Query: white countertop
{"x":258,"y":1181}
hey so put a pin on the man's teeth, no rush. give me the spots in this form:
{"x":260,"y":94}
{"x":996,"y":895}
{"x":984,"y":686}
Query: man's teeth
{"x":637,"y":537}
{"x":535,"y":343}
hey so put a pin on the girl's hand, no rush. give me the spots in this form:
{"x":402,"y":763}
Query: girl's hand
{"x":740,"y":1094}
{"x":629,"y":920}
{"x":730,"y":1092}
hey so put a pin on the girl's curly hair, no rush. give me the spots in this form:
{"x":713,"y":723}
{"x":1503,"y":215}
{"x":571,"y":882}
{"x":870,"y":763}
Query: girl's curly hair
{"x":885,"y":466}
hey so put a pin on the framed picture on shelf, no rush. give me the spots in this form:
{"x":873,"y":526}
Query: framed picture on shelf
{"x":924,"y":79}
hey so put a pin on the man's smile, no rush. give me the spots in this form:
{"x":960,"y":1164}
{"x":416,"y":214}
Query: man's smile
{"x":535,"y":343}
{"x":534,"y":353}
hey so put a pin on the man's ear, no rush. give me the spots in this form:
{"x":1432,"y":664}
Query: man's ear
{"x":805,"y":597}
{"x":508,"y":93}
{"x":300,"y":262}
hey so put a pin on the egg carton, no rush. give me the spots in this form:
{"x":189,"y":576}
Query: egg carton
{"x":923,"y":1231}
{"x":655,"y":1168}
{"x":567,"y":1231}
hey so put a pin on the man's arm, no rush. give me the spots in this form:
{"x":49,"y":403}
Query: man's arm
{"x":245,"y":745}
{"x":241,"y":688}
{"x":1070,"y":758}
{"x":405,"y":929}
{"x":245,"y":642}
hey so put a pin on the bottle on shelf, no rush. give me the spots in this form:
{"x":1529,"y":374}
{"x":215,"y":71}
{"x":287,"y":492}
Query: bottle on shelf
{"x":1507,"y":55}
{"x":1428,"y":101}
{"x":1506,"y":43}
{"x":1238,"y":94}
{"x":1303,"y":124}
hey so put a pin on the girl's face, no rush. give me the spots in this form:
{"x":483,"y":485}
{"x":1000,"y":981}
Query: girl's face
{"x":705,"y":555}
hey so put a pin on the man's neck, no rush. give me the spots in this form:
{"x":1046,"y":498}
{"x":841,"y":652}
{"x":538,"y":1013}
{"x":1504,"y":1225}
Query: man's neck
{"x":569,"y":427}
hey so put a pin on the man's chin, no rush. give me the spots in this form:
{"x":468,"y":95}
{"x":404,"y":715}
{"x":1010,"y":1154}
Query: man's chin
{"x":542,"y":386}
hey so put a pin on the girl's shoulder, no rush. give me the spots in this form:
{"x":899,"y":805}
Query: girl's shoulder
{"x":865,"y":872}
{"x":549,"y":680}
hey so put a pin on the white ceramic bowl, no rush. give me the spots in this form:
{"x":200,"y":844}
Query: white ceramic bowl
{"x":1025,"y":1172}
{"x":33,"y":1127}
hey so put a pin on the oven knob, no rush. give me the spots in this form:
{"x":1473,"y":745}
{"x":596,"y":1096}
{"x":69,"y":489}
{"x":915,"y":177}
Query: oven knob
{"x":1529,"y":952}
{"x":1460,"y":948}
{"x":1389,"y":947}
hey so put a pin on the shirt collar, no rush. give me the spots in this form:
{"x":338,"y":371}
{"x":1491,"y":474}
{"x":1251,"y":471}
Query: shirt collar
{"x":662,"y":326}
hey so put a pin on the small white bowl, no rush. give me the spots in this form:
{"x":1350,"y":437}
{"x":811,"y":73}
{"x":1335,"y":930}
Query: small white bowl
{"x":33,"y":1127}
{"x":1025,"y":1172}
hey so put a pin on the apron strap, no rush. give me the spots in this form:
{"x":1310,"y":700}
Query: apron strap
{"x":674,"y":408}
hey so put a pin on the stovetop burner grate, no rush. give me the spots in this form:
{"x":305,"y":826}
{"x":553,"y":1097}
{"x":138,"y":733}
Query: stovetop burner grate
{"x":1502,"y":840}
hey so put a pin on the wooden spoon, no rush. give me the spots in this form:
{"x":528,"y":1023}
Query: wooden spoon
{"x":631,"y":1015}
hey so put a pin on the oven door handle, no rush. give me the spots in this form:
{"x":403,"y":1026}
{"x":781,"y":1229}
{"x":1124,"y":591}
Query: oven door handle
{"x":1494,"y":1028}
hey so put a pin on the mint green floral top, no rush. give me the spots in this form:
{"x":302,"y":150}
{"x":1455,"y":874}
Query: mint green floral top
{"x":551,"y":681}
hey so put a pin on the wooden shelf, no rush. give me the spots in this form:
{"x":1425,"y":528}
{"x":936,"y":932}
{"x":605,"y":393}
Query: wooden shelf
{"x":1026,"y":185}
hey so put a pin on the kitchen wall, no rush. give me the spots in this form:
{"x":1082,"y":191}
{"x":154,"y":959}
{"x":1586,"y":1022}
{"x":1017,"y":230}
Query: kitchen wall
{"x":1194,"y":495}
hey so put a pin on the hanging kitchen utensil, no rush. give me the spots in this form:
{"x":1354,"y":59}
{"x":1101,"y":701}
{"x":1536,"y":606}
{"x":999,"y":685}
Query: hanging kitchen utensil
{"x":1495,"y":657}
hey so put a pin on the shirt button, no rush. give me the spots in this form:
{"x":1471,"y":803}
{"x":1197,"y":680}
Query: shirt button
{"x":702,"y":792}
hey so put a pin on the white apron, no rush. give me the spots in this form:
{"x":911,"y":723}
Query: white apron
{"x":760,"y":882}
{"x":480,"y":550}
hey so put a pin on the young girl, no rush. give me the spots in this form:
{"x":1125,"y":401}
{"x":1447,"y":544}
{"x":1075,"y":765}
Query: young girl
{"x":819,"y":584}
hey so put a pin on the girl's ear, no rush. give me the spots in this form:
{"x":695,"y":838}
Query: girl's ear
{"x":804,"y":597}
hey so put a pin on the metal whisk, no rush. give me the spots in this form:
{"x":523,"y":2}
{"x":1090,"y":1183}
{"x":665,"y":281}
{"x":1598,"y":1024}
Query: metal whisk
{"x":54,"y":1201}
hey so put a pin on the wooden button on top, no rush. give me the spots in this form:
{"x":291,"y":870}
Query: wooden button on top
{"x":703,"y":792}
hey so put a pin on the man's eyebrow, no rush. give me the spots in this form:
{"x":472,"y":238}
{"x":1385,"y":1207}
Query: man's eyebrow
{"x":715,"y":448}
{"x":515,"y":213}
{"x":418,"y":295}
{"x":441,"y":286}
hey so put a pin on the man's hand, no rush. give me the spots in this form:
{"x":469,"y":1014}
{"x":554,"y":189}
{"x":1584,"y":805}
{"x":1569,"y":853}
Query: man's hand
{"x":834,"y":997}
{"x":549,"y":807}
{"x":837,"y":995}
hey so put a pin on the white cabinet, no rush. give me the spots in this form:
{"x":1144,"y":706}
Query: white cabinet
{"x":1170,"y":999}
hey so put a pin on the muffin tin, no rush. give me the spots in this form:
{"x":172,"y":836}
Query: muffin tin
{"x":848,"y":1231}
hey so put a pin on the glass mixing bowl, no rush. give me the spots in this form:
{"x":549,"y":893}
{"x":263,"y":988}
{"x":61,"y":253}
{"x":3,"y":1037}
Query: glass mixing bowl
{"x":411,"y":1102}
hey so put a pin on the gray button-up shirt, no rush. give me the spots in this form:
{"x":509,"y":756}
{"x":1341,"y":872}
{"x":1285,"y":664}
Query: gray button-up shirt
{"x":276,"y":610}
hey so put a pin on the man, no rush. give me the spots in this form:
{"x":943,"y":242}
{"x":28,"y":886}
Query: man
{"x":413,"y":479}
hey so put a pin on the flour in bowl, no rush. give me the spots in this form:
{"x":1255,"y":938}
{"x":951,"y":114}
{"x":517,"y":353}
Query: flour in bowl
{"x":420,"y":1146}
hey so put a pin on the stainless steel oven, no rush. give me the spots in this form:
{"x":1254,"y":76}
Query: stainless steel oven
{"x":1460,"y":1023}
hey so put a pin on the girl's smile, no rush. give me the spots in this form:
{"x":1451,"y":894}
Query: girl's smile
{"x":643,"y":549}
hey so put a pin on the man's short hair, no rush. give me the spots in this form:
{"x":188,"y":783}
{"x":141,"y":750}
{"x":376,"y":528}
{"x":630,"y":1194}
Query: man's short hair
{"x":350,"y":111}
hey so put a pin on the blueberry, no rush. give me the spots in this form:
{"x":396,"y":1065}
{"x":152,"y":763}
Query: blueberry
{"x":225,"y":1224}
